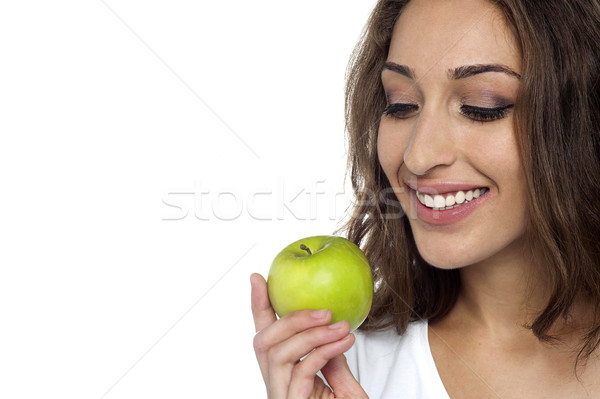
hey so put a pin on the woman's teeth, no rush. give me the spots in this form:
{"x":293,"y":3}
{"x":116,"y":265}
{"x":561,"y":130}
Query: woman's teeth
{"x":449,"y":201}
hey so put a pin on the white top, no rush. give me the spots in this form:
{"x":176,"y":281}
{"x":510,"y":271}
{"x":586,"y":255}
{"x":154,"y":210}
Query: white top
{"x":388,"y":365}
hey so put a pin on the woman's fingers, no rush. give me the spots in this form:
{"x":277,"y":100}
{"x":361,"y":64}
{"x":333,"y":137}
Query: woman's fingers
{"x":264,"y":316}
{"x":302,"y":382}
{"x":299,"y":345}
{"x":290,"y":325}
{"x":271,"y":342}
{"x":283,"y":359}
{"x":280,"y":344}
{"x":340,"y":378}
{"x":272,"y":332}
{"x":262,"y":311}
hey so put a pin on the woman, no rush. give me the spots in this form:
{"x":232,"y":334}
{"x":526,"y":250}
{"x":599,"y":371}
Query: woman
{"x":480,"y":118}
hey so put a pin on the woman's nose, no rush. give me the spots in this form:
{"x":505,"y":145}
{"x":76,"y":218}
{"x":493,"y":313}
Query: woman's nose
{"x":431,"y":145}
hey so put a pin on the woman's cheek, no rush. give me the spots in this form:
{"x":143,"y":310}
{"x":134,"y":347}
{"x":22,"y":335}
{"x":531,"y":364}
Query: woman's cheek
{"x":390,"y":151}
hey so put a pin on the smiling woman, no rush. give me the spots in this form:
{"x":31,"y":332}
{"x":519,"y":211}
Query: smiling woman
{"x":453,"y":136}
{"x":481,"y":119}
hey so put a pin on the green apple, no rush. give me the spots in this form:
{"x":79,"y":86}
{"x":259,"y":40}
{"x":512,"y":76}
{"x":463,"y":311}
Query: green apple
{"x":322,"y":272}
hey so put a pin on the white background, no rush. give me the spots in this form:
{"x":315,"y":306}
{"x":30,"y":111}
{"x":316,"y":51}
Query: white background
{"x":123,"y":126}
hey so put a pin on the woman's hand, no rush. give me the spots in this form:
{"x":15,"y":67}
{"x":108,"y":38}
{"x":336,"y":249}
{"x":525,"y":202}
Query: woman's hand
{"x":280,"y":344}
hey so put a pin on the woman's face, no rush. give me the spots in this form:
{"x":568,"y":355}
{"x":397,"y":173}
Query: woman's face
{"x":446,"y":139}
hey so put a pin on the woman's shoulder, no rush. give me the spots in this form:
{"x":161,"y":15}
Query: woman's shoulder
{"x":388,"y":364}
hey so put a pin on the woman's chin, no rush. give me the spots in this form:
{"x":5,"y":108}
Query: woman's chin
{"x":448,"y":258}
{"x":445,"y":264}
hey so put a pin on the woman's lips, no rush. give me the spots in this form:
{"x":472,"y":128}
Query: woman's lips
{"x":447,"y":208}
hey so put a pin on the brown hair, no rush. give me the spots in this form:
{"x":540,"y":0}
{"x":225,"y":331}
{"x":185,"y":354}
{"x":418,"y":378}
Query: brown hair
{"x":557,"y":122}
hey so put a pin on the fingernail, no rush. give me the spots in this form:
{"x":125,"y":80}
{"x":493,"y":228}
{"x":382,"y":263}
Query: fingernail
{"x":337,"y":325}
{"x":319,"y":314}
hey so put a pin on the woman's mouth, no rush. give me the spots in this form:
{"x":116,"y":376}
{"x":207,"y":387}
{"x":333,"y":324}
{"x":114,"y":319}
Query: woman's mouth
{"x":450,"y":207}
{"x":449,"y":200}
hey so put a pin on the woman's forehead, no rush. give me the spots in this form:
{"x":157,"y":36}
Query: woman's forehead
{"x":439,"y":35}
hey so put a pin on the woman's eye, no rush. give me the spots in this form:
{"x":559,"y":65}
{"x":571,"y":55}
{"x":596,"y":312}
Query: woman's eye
{"x":400,"y":110}
{"x":480,"y":114}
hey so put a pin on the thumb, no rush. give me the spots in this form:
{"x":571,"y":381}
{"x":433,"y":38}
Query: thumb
{"x":262,"y":311}
{"x":340,"y":378}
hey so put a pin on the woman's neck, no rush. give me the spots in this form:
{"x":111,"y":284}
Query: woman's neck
{"x":501,"y":296}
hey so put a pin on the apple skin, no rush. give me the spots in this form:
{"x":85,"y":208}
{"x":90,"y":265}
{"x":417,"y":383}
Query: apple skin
{"x":336,"y":276}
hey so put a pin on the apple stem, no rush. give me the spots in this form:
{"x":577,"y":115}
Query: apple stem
{"x":305,"y":248}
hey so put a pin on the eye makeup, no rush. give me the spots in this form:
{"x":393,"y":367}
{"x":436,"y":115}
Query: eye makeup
{"x":473,"y":112}
{"x":400,"y":110}
{"x":482,"y":106}
{"x":481,"y":114}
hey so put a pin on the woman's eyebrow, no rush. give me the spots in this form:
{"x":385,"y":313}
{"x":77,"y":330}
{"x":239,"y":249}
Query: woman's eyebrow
{"x":460,"y":72}
{"x":401,"y":69}
{"x":466,"y":71}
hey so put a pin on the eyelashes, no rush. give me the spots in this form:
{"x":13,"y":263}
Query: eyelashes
{"x":400,"y":111}
{"x":474,"y":113}
{"x":481,"y":114}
